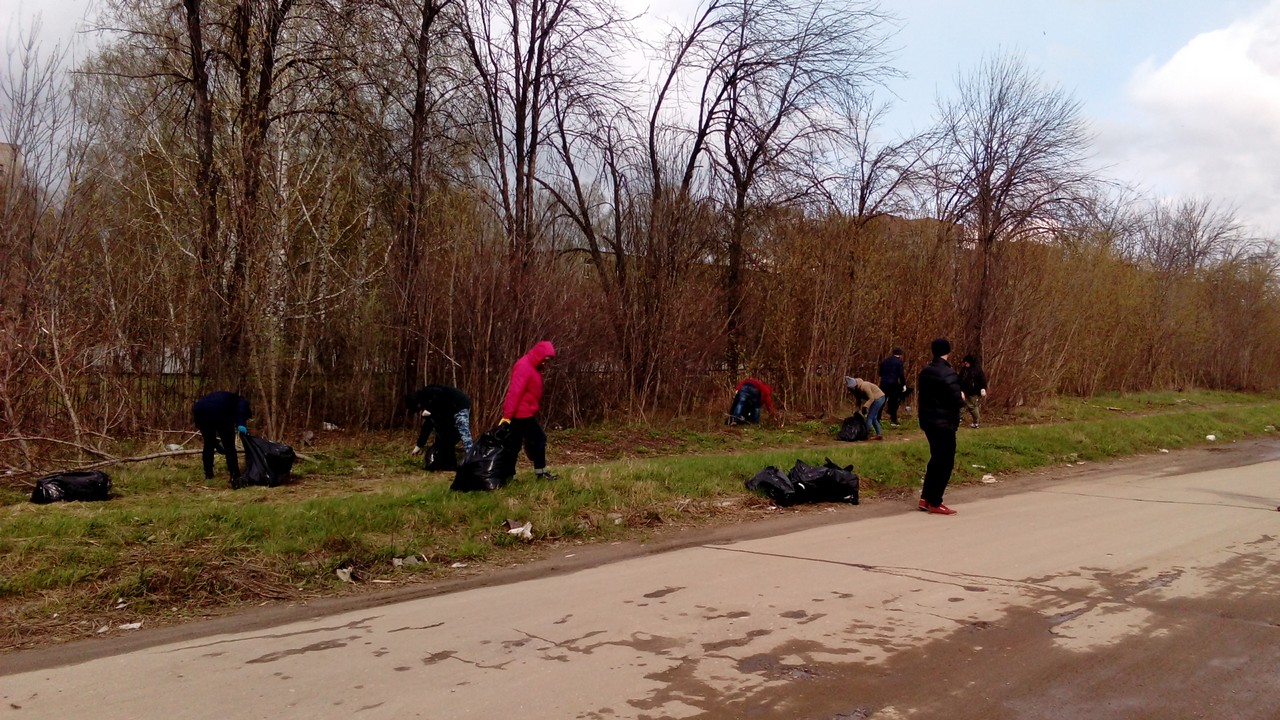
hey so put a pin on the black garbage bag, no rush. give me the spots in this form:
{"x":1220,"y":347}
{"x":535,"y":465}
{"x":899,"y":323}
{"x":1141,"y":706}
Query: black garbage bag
{"x":489,"y":465}
{"x":824,"y":483}
{"x":76,"y":485}
{"x":853,"y":429}
{"x":266,"y":463}
{"x":772,"y":483}
{"x":807,"y":483}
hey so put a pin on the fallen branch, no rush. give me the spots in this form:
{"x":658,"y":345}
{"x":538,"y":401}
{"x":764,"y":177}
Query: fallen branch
{"x":119,"y":461}
{"x":86,"y":448}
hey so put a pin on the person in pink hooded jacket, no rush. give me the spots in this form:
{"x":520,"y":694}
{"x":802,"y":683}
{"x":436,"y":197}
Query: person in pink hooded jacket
{"x":520,"y":407}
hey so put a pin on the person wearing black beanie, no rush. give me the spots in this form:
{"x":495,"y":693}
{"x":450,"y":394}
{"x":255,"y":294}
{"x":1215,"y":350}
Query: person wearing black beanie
{"x":940,"y":401}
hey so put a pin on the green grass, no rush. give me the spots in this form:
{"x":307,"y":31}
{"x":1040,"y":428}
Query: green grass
{"x":171,"y":542}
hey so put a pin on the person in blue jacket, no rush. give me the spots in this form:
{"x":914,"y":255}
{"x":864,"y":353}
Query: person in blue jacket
{"x":218,"y":416}
{"x":893,"y":381}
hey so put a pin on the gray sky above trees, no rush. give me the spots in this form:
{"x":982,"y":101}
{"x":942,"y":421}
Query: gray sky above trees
{"x":1183,"y":95}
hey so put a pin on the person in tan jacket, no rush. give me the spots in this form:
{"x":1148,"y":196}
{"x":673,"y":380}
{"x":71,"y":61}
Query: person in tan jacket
{"x":870,"y":399}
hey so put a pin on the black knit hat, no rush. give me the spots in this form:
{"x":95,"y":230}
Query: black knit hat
{"x":897,"y":351}
{"x":940,"y":347}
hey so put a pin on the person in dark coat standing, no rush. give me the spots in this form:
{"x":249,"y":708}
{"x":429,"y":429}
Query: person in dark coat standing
{"x":218,"y":416}
{"x":521,"y":405}
{"x":893,"y":381}
{"x":973,"y":382}
{"x":939,"y":403}
{"x":447,"y":411}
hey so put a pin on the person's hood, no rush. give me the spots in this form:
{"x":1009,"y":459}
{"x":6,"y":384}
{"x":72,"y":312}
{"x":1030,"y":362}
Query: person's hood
{"x":850,"y":382}
{"x":540,"y":352}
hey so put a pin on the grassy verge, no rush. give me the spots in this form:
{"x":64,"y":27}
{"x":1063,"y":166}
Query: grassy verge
{"x":171,"y":544}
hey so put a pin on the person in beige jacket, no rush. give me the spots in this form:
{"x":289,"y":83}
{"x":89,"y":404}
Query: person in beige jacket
{"x":870,"y":399}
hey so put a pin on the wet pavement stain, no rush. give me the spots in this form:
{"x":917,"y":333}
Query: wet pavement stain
{"x":663,"y":592}
{"x":721,"y":645}
{"x":360,"y":624}
{"x":314,"y":647}
{"x":736,"y":615}
{"x":421,"y":627}
{"x":1214,"y":654}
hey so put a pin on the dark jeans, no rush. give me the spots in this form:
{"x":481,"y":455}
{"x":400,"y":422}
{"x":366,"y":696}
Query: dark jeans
{"x":443,"y":455}
{"x":894,"y":396}
{"x":211,"y":435}
{"x":527,"y":432}
{"x":746,"y":405}
{"x":942,"y":459}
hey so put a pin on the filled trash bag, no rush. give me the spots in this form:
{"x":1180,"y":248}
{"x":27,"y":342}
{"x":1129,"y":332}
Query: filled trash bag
{"x":853,"y":429}
{"x":807,"y":483}
{"x":77,"y":485}
{"x":266,"y":463}
{"x":489,"y":465}
{"x":824,"y":483}
{"x":772,"y":483}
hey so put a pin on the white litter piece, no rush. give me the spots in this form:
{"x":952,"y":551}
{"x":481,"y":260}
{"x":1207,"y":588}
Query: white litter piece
{"x":458,"y":565}
{"x":1164,"y":451}
{"x":173,"y":447}
{"x":988,"y":479}
{"x":524,"y":531}
{"x":131,"y":626}
{"x":1210,"y":437}
{"x":980,"y":467}
{"x":329,"y":426}
{"x":344,"y":574}
{"x":103,"y":629}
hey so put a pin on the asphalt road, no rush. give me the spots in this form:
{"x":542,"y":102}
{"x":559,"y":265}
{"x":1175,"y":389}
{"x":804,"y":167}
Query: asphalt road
{"x":1145,"y":589}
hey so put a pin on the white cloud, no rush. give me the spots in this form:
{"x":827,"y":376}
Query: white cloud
{"x":1207,"y":121}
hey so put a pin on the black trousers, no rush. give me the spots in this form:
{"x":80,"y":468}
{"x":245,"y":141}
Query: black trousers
{"x":212,"y":433}
{"x":527,"y":432}
{"x":942,"y":460}
{"x":443,"y":454}
{"x":894,"y":395}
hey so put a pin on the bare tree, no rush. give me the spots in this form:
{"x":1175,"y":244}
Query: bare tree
{"x":1010,"y":158}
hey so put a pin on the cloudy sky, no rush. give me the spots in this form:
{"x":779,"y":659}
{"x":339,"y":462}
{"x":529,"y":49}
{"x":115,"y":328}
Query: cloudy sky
{"x":1183,"y":95}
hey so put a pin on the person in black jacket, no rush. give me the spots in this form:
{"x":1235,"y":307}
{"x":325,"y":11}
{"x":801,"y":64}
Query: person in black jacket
{"x":939,"y":403}
{"x":447,"y":410}
{"x":893,"y":381}
{"x":218,"y":416}
{"x":973,"y":382}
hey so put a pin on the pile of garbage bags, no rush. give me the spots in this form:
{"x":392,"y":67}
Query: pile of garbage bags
{"x":806,"y":483}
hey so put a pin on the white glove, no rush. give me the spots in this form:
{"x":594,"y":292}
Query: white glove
{"x":984,"y":392}
{"x":426,"y":413}
{"x":416,"y":449}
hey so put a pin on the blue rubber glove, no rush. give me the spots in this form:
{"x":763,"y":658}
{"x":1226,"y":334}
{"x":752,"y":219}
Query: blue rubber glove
{"x":242,"y":429}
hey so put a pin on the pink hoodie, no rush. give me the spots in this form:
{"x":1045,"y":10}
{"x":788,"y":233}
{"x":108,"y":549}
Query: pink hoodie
{"x":525,"y":391}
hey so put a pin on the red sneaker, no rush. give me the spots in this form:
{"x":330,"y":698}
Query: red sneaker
{"x":924,"y":506}
{"x":940,"y":509}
